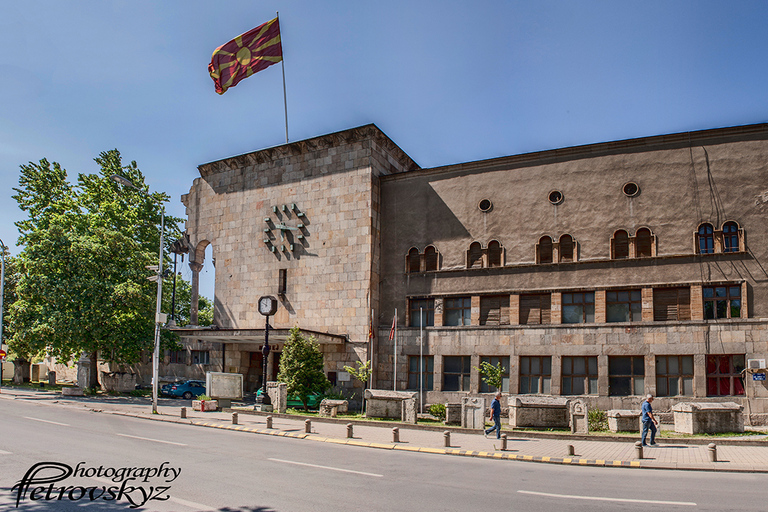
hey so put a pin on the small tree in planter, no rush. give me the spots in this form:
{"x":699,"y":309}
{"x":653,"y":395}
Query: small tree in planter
{"x":301,"y":367}
{"x":491,"y":375}
{"x":362,"y":373}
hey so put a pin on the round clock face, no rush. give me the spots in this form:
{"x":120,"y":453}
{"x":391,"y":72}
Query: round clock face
{"x":267,"y":305}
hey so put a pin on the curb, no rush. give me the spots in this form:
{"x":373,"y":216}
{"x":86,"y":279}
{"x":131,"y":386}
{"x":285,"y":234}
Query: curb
{"x":572,"y":461}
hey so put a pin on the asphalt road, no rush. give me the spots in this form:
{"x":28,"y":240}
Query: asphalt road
{"x":235,"y":471}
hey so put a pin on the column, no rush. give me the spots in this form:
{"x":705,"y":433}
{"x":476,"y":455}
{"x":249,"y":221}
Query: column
{"x":194,"y":293}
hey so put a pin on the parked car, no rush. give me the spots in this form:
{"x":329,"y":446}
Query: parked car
{"x":313,"y":400}
{"x":187,"y":389}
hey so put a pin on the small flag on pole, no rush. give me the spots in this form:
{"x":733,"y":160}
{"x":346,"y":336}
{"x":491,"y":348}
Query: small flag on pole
{"x":392,"y":330}
{"x":245,"y":55}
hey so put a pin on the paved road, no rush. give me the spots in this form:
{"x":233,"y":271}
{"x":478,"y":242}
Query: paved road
{"x":226,"y":471}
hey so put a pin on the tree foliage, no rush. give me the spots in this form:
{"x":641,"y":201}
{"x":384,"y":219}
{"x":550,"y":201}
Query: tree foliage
{"x":301,"y":366}
{"x":82,"y":283}
{"x":362,"y":372}
{"x":491,"y":375}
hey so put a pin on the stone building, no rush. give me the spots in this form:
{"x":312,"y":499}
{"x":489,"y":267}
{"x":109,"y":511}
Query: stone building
{"x":606,"y":271}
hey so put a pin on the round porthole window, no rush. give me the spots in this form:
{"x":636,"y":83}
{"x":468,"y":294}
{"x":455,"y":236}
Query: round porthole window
{"x":485,"y":205}
{"x":631,"y":189}
{"x":555,"y":197}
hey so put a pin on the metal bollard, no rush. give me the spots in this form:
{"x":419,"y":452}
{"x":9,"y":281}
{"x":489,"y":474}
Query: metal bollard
{"x":638,"y":450}
{"x":712,"y":448}
{"x":395,"y":435}
{"x":447,"y":438}
{"x":269,"y":421}
{"x":349,"y":431}
{"x":307,"y":426}
{"x":234,"y":418}
{"x":571,"y":450}
{"x":503,"y":442}
{"x":183,"y":412}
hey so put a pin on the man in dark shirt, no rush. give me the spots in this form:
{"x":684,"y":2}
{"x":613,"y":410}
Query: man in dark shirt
{"x":649,"y":422}
{"x":495,"y":416}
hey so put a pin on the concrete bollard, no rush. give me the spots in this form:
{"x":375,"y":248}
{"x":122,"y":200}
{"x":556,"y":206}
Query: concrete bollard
{"x":269,"y":421}
{"x":307,"y":426}
{"x":447,"y":438}
{"x":234,"y":418}
{"x":638,"y":450}
{"x":712,"y":449}
{"x":183,"y":412}
{"x":503,"y":442}
{"x":350,"y":434}
{"x":571,"y":450}
{"x":395,"y":435}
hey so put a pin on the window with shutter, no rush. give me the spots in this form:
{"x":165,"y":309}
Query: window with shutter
{"x":620,"y":245}
{"x":671,"y":304}
{"x":535,"y":309}
{"x":494,"y":310}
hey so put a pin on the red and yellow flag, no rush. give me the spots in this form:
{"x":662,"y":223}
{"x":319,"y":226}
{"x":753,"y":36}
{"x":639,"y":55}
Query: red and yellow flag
{"x":245,"y":55}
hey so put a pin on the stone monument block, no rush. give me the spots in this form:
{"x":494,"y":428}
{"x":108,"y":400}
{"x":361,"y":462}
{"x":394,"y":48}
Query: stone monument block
{"x":473,"y":412}
{"x":389,"y":404}
{"x":118,"y":381}
{"x":330,"y":408}
{"x":579,"y":417}
{"x":453,"y":414}
{"x":623,"y":420}
{"x":708,"y":418}
{"x":539,"y":411}
{"x":227,"y":386}
{"x":278,"y":395}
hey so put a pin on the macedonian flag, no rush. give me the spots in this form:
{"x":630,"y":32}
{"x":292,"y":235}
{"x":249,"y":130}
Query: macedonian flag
{"x":245,"y":55}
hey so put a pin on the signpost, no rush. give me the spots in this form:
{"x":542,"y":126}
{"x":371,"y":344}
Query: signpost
{"x":2,"y":360}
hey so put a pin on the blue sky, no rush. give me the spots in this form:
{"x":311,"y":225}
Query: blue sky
{"x":448,"y":81}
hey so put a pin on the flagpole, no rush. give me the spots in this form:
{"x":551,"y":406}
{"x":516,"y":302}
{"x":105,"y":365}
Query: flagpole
{"x":285,"y":96}
{"x":394,"y":380}
{"x":421,"y":359}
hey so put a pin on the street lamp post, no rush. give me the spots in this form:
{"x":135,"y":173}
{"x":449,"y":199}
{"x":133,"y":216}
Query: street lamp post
{"x":159,"y":276}
{"x":2,"y":295}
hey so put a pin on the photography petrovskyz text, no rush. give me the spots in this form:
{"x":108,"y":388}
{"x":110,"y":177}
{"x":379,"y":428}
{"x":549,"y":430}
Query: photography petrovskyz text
{"x":137,"y":485}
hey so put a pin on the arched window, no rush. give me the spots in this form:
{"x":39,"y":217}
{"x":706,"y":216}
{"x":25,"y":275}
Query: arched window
{"x":706,"y":239}
{"x":566,"y":248}
{"x":475,"y":255}
{"x":430,"y":259}
{"x":620,"y":245}
{"x":730,"y":237}
{"x":545,"y":249}
{"x":414,"y":261}
{"x":494,"y":254}
{"x":643,"y":243}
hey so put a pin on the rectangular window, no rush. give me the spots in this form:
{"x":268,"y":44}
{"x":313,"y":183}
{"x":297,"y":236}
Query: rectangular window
{"x":578,"y":308}
{"x":724,"y":375}
{"x":722,"y":302}
{"x":579,"y":375}
{"x":177,"y":356}
{"x":493,"y":360}
{"x":457,"y":311}
{"x":623,"y":306}
{"x":456,"y":373}
{"x":626,"y":375}
{"x":535,"y":375}
{"x":200,"y":357}
{"x":674,"y":375}
{"x":671,"y":304}
{"x":428,"y":369}
{"x":494,"y":310}
{"x":422,"y":308}
{"x":536,"y":309}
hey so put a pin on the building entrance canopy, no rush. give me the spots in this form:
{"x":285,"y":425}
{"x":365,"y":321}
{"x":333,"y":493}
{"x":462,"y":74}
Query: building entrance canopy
{"x":254,"y":335}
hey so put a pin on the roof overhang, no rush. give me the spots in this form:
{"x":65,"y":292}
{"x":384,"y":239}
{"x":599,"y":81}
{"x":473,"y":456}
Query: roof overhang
{"x":219,"y":335}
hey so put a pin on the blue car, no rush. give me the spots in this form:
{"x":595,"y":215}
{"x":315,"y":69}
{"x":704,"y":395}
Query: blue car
{"x":187,"y":390}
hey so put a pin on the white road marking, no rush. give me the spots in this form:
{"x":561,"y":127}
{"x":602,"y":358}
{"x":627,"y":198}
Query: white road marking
{"x":153,"y":440}
{"x":46,"y":421}
{"x":326,"y":467}
{"x":2,"y":452}
{"x":601,"y":498}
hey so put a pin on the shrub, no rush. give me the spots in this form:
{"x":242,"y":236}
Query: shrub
{"x":438,"y":411}
{"x":204,"y":397}
{"x":598,"y":420}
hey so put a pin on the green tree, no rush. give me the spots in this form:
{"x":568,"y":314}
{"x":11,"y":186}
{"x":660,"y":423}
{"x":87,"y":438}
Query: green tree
{"x":82,"y":285}
{"x":301,"y":366}
{"x":491,"y":375}
{"x":363,"y":373}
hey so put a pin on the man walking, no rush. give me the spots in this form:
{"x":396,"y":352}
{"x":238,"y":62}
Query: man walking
{"x":495,"y":416}
{"x":649,"y":422}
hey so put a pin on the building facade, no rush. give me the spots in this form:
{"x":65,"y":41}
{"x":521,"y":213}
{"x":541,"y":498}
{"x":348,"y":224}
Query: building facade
{"x":605,"y":271}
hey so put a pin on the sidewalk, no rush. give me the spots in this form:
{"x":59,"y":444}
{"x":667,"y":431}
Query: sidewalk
{"x":670,"y":454}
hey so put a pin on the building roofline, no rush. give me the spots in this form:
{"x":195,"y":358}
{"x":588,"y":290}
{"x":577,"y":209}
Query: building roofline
{"x":642,"y":144}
